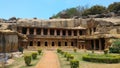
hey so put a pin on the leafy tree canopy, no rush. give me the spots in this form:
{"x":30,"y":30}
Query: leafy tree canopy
{"x":85,"y":11}
{"x":115,"y":7}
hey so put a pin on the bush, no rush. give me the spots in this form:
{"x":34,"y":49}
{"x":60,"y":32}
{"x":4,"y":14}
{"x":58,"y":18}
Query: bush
{"x":69,"y":57}
{"x":74,"y":64}
{"x":59,"y":50}
{"x":114,"y":50}
{"x":20,"y":49}
{"x":65,"y":54}
{"x":93,"y":51}
{"x":34,"y":55}
{"x":39,"y":51}
{"x":115,"y":47}
{"x":102,"y":58}
{"x":106,"y":51}
{"x":27,"y":59}
{"x":75,"y":50}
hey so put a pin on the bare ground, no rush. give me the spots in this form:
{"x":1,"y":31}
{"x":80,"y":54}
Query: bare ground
{"x":49,"y":60}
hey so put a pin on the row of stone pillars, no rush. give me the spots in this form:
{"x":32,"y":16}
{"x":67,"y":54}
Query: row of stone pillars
{"x":72,"y":33}
{"x":94,"y":44}
{"x":50,"y":43}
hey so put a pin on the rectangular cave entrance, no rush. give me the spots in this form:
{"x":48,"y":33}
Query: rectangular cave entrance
{"x":92,"y":44}
{"x":102,"y":43}
{"x":71,"y":43}
{"x":31,"y":43}
{"x":38,"y":43}
{"x":97,"y":44}
{"x":31,"y":31}
{"x":38,"y":31}
{"x":45,"y":31}
{"x":65,"y":43}
{"x":24,"y":30}
{"x":53,"y":44}
{"x":46,"y":44}
{"x":59,"y":43}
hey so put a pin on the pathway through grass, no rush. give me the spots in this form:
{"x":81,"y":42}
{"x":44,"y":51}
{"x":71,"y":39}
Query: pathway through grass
{"x":84,"y":64}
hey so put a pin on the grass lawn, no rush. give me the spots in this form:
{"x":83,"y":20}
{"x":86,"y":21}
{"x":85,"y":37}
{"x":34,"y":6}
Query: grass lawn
{"x":84,"y":64}
{"x":19,"y":62}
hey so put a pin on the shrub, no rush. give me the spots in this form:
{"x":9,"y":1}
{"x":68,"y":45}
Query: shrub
{"x":75,"y":50}
{"x":93,"y":51}
{"x":102,"y":58}
{"x":65,"y":54}
{"x":114,"y":50}
{"x":115,"y":47}
{"x":34,"y":55}
{"x":39,"y":51}
{"x":59,"y":50}
{"x":20,"y":49}
{"x":106,"y":51}
{"x":74,"y":64}
{"x":27,"y":59}
{"x":69,"y":57}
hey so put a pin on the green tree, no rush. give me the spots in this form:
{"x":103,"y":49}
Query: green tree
{"x":115,"y":48}
{"x":72,"y":12}
{"x":97,"y":9}
{"x":114,"y":7}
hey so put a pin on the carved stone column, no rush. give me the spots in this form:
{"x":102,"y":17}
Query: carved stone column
{"x":55,"y":32}
{"x":34,"y":31}
{"x":61,"y":33}
{"x":48,"y":31}
{"x":28,"y":31}
{"x":92,"y":31}
{"x":100,"y":44}
{"x":66,"y":32}
{"x":20,"y":29}
{"x":77,"y":32}
{"x":94,"y":44}
{"x":72,"y":32}
{"x":41,"y":31}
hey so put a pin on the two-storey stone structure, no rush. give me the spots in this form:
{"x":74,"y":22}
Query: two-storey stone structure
{"x":82,"y":33}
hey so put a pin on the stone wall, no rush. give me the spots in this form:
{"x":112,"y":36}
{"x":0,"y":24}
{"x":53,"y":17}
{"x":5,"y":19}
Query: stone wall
{"x":8,"y":42}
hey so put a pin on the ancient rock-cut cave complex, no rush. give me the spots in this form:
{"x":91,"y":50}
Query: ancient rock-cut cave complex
{"x":90,"y":34}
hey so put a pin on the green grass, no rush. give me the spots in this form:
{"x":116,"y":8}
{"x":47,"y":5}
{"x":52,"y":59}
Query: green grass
{"x":33,"y":63}
{"x":66,"y":64}
{"x":19,"y":62}
{"x":63,"y":62}
{"x":78,"y":56}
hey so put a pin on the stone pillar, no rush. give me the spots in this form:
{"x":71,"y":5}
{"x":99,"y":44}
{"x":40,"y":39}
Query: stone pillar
{"x":92,"y":31}
{"x":94,"y":44}
{"x":41,"y":31}
{"x":100,"y":44}
{"x":55,"y":32}
{"x":84,"y":46}
{"x":77,"y":32}
{"x":89,"y":31}
{"x":28,"y":31}
{"x":61,"y":33}
{"x":66,"y":32}
{"x":20,"y":29}
{"x":48,"y":31}
{"x":34,"y":31}
{"x":72,"y":33}
{"x":69,"y":44}
{"x":49,"y":43}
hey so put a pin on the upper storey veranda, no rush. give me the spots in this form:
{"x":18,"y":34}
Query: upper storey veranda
{"x":53,"y":23}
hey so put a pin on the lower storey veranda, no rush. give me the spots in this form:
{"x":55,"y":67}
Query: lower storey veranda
{"x":93,"y":44}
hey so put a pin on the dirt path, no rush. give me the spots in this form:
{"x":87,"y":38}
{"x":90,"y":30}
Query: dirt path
{"x":49,"y":60}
